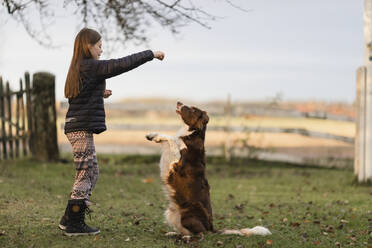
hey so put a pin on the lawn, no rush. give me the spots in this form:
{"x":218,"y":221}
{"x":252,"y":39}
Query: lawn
{"x":303,"y":207}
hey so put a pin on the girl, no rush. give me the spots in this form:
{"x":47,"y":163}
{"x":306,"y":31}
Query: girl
{"x":85,"y":89}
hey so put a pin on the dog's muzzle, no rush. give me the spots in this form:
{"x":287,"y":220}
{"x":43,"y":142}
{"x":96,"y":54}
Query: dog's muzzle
{"x":179,"y":107}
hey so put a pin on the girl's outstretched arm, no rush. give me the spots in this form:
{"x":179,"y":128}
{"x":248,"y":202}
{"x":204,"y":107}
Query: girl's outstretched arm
{"x":109,"y":68}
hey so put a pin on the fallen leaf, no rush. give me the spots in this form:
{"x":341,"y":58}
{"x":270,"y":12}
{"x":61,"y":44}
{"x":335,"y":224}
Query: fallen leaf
{"x":316,"y":242}
{"x":239,"y":206}
{"x":119,"y":173}
{"x":330,"y":229}
{"x":338,"y":244}
{"x":296,"y":224}
{"x":128,"y":239}
{"x":269,"y":242}
{"x":150,"y":204}
{"x":95,"y":238}
{"x":307,"y":221}
{"x":147,"y":180}
{"x":219,"y":243}
{"x":219,"y":217}
{"x":285,"y":220}
{"x":230,"y":196}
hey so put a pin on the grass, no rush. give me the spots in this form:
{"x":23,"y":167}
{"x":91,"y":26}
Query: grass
{"x":303,"y":207}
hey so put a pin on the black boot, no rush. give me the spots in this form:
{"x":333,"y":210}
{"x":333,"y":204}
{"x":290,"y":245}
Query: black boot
{"x":64,"y":219}
{"x":76,"y":219}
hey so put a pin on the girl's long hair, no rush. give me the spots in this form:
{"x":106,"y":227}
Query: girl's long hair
{"x":85,"y":37}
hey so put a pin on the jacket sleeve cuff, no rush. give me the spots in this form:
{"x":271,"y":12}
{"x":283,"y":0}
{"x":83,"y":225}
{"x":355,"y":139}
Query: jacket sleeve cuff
{"x":150,"y":53}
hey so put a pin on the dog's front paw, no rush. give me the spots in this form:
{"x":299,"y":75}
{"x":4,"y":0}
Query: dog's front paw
{"x":151,"y":136}
{"x":154,"y":137}
{"x":171,"y":234}
{"x":186,"y":238}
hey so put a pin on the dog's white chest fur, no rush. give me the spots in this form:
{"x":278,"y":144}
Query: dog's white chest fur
{"x":171,"y":149}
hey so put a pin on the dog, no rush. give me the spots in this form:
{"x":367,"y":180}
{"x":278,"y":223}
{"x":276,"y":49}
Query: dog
{"x":182,"y":171}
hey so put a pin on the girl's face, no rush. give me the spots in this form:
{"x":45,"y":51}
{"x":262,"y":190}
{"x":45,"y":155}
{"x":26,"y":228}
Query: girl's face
{"x":96,"y":49}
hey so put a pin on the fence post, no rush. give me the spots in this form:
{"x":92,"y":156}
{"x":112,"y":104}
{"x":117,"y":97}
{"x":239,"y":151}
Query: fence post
{"x":360,"y":122}
{"x":2,"y":117}
{"x":10,"y":128}
{"x":44,"y":111}
{"x":227,"y":144}
{"x":24,"y":139}
{"x":17,"y":123}
{"x":29,"y":115}
{"x":365,"y":133}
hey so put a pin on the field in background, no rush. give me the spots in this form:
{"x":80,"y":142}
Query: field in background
{"x":160,"y":113}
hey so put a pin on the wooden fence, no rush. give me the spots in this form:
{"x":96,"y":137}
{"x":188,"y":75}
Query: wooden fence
{"x":15,"y":136}
{"x":28,"y":118}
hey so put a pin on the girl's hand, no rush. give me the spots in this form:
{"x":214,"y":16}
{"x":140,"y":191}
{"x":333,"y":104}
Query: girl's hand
{"x":107,"y":93}
{"x":159,"y":55}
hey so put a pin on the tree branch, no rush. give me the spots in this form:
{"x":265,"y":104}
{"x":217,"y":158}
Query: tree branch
{"x":117,"y":20}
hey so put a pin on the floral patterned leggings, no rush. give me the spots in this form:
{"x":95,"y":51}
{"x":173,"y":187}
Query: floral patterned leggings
{"x":85,"y":161}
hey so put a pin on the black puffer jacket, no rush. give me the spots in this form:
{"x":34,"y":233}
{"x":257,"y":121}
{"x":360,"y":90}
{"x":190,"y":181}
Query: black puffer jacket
{"x":86,"y":111}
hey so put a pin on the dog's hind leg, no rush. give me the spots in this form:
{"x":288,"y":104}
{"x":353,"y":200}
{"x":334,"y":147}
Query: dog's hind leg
{"x":193,"y":225}
{"x":173,"y":217}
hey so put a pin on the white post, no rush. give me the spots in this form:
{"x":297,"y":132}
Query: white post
{"x":227,"y":131}
{"x":365,"y":166}
{"x":360,"y":132}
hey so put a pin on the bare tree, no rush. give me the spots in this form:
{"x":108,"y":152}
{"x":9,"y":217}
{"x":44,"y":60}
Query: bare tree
{"x":117,"y":20}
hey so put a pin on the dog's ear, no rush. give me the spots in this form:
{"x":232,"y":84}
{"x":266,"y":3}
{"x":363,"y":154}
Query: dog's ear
{"x":205,"y":117}
{"x":200,"y":124}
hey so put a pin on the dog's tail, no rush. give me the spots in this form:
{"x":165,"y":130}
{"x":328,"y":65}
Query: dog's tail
{"x":257,"y":230}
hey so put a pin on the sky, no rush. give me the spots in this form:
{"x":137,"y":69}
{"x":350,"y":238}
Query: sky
{"x":300,"y":49}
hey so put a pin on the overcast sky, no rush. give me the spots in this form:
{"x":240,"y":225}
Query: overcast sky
{"x":305,"y":50}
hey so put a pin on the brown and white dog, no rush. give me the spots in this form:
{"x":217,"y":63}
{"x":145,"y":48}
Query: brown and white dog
{"x":182,"y":170}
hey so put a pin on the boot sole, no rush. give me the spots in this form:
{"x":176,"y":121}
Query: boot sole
{"x":80,"y":234}
{"x":62,"y":227}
